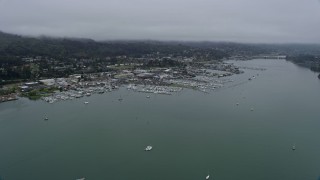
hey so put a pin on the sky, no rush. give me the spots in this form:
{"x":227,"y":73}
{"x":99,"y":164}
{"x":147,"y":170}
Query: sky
{"x":254,"y":21}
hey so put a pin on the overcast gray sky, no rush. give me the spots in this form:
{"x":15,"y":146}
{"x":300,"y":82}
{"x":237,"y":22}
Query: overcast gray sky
{"x":267,"y":21}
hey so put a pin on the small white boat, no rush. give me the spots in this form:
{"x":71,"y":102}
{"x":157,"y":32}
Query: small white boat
{"x":251,"y":109}
{"x":86,"y":102}
{"x":293,"y":147}
{"x":46,"y":118}
{"x":148,"y":96}
{"x":237,"y":104}
{"x":81,"y":178}
{"x":148,"y":148}
{"x":208,"y":176}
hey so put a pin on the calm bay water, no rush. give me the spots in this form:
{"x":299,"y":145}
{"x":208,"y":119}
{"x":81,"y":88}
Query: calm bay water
{"x":192,"y":133}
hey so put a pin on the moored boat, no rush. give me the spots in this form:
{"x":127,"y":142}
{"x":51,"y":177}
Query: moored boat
{"x":148,"y":148}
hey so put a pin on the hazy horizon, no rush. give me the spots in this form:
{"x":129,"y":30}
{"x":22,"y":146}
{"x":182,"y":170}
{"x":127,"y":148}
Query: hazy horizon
{"x":242,"y":21}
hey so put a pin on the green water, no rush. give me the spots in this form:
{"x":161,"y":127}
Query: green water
{"x":192,"y":133}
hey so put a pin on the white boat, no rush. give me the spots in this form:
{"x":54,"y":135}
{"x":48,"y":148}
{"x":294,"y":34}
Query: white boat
{"x":208,"y":176}
{"x":148,"y":148}
{"x":46,"y":118}
{"x":79,"y":96}
{"x":148,"y":96}
{"x":81,"y":178}
{"x":251,"y":109}
{"x":86,"y":102}
{"x":294,"y":147}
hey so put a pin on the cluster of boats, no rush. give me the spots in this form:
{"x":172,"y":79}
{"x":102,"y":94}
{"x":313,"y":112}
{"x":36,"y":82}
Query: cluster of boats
{"x":200,"y":83}
{"x":72,"y":94}
{"x":154,"y":89}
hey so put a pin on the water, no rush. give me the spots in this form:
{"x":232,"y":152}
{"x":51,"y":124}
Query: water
{"x":192,"y":133}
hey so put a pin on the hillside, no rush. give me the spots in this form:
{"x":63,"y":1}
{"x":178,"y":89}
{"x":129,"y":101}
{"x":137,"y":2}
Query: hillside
{"x":14,"y":45}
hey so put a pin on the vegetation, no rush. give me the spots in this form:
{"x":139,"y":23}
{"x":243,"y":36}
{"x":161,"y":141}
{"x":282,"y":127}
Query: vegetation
{"x":307,"y":60}
{"x":8,"y":91}
{"x":27,"y":58}
{"x":60,"y":57}
{"x":13,"y":45}
{"x":163,"y":63}
{"x":36,"y":94}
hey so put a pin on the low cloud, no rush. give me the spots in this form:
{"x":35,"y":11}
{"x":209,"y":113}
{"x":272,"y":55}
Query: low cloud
{"x":271,"y":21}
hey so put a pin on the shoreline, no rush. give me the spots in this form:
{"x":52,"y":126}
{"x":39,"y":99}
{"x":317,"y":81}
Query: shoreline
{"x":7,"y":98}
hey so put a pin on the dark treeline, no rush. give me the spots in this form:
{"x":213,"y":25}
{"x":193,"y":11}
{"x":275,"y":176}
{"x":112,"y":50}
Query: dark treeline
{"x":62,"y":56}
{"x":257,"y":49}
{"x":67,"y":53}
{"x":14,"y":45}
{"x":307,"y":60}
{"x":84,"y":48}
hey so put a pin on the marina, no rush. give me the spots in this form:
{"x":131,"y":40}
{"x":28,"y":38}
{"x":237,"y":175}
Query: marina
{"x":204,"y":77}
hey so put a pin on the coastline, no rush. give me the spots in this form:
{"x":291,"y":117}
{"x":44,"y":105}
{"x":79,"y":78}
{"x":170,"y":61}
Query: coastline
{"x":10,"y":97}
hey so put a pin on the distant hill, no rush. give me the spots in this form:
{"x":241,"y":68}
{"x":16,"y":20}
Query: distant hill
{"x":16,"y":45}
{"x":70,"y":51}
{"x":254,"y":49}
